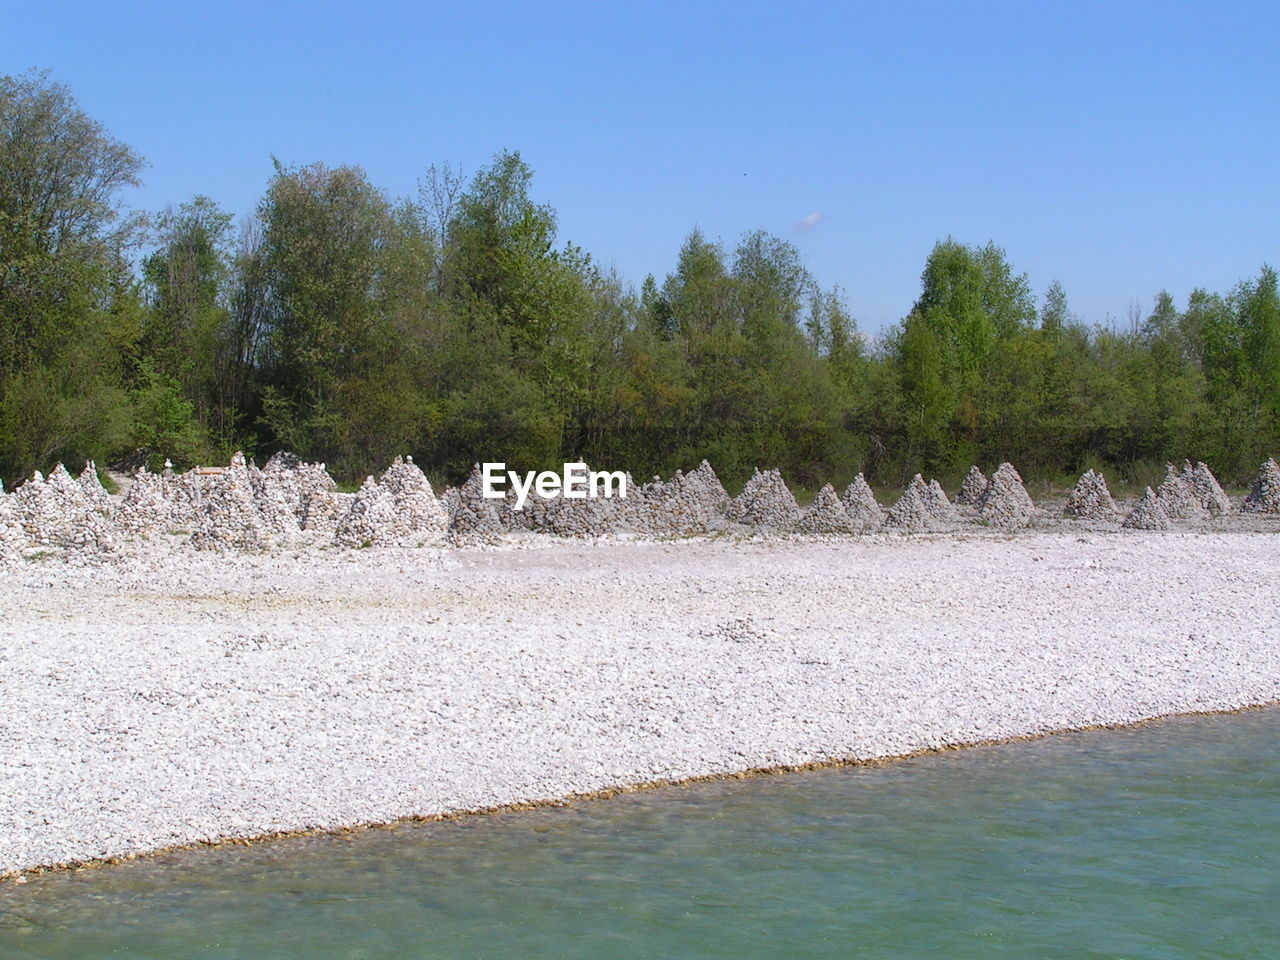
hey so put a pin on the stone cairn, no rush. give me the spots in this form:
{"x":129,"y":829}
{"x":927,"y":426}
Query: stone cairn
{"x":860,"y":503}
{"x":13,"y":536}
{"x":1178,"y":497}
{"x":688,"y":504}
{"x":473,"y":518}
{"x":421,"y":516}
{"x":145,"y":509}
{"x":826,"y":515}
{"x":371,"y":520}
{"x":917,"y":510}
{"x":1208,"y":490}
{"x":971,"y":490}
{"x":227,"y":516}
{"x":939,"y":505}
{"x":1264,"y":495}
{"x":1005,"y":503}
{"x":1148,"y":514}
{"x":765,"y":501}
{"x":241,"y":507}
{"x":1091,"y":499}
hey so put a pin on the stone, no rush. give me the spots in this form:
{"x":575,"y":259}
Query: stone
{"x":1264,"y":495}
{"x":1005,"y":503}
{"x":1148,"y":514}
{"x":971,"y":489}
{"x":1178,"y":497}
{"x":1091,"y":499}
{"x":826,"y":515}
{"x":1210,"y":493}
{"x":765,"y":501}
{"x":860,"y":504}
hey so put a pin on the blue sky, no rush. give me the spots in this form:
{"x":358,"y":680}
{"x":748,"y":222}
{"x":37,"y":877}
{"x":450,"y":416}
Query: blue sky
{"x":1117,"y":148}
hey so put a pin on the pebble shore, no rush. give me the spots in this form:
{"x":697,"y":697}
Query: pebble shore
{"x":182,"y":696}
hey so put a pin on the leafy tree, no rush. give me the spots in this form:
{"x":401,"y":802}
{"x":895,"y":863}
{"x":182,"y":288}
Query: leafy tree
{"x":68,"y":306}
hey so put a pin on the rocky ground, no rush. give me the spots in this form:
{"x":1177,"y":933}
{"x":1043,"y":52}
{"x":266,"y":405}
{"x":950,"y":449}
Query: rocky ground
{"x":177,"y":696}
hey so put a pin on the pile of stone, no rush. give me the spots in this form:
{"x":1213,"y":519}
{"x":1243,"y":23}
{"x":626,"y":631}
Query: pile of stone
{"x":861,"y":506}
{"x":939,"y":505}
{"x":1264,"y":495}
{"x":1178,"y":497}
{"x":421,"y":516}
{"x":1148,"y":514}
{"x":1091,"y":499}
{"x":227,"y":517}
{"x":974,"y":485}
{"x":91,"y":488}
{"x":565,"y":517}
{"x":275,"y":502}
{"x":42,"y":510}
{"x":1210,"y":493}
{"x":371,"y":519}
{"x":13,"y":537}
{"x":289,"y":483}
{"x":145,"y":509}
{"x":473,"y":518}
{"x":688,"y":504}
{"x":91,"y":539}
{"x":919,"y":510}
{"x":1005,"y":503}
{"x":826,"y":515}
{"x":765,"y":501}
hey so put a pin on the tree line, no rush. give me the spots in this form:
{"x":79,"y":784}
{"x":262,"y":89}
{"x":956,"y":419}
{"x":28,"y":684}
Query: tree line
{"x":351,"y":327}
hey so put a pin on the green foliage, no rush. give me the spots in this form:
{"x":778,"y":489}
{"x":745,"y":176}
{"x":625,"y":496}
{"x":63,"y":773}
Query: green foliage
{"x":164,"y":422}
{"x":351,"y":327}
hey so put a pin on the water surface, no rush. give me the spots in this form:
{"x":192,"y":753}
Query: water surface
{"x":1160,"y":841}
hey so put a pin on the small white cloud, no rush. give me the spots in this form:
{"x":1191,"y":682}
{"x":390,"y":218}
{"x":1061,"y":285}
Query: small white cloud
{"x":809,"y":222}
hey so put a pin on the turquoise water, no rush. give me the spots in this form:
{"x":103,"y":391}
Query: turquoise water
{"x":1160,"y":841}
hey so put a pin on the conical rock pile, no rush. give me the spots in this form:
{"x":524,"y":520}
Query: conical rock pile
{"x":42,"y":510}
{"x":826,"y":514}
{"x":1209,"y":491}
{"x":297,"y":481}
{"x":765,"y":501}
{"x":420,"y":512}
{"x":915,"y":510}
{"x":971,"y":489}
{"x":1005,"y":503}
{"x":705,"y":487}
{"x":688,"y":504}
{"x":275,"y":501}
{"x":91,"y":540}
{"x":1178,"y":497}
{"x":371,"y":519}
{"x":144,"y":510}
{"x":92,"y":490}
{"x":1264,"y":495}
{"x":860,"y":504}
{"x":939,"y":505}
{"x":226,"y":516}
{"x":324,"y":509}
{"x":1091,"y":499}
{"x":473,"y":517}
{"x":13,"y":538}
{"x":1148,"y":514}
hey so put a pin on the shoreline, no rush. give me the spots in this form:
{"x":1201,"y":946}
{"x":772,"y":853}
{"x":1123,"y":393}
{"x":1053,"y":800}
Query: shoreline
{"x":193,"y":701}
{"x":25,"y":875}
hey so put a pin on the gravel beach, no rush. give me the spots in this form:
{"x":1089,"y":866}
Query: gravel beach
{"x":177,"y":697}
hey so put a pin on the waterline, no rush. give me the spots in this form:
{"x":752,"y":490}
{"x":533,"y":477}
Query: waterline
{"x":1159,"y":840}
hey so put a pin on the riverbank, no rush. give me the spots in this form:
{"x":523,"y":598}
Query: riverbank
{"x":184,"y":697}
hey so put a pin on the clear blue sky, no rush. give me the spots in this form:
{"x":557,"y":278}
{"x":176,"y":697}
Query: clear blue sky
{"x":1117,"y":148}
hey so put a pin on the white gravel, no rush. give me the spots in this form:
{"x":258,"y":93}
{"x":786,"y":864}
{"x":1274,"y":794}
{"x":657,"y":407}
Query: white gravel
{"x":185,"y":697}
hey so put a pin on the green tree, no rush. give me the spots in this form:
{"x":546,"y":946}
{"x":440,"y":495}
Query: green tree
{"x":68,"y":305}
